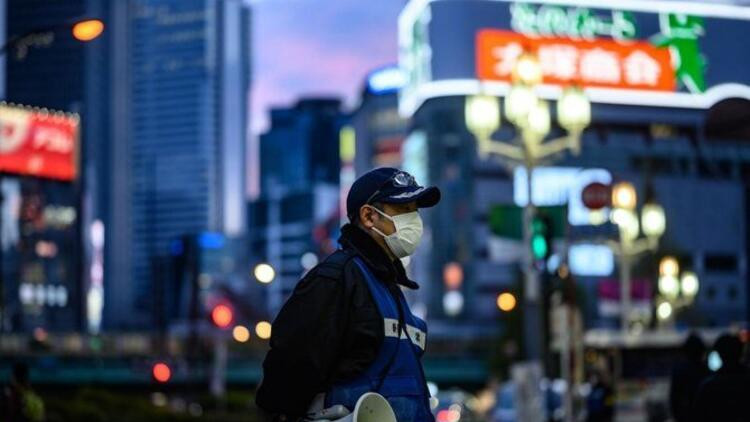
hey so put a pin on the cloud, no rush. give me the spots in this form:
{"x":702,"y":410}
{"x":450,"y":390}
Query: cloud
{"x":305,"y":47}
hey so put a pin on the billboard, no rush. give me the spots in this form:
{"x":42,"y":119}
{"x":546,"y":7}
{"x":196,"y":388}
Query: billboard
{"x":38,"y":143}
{"x":650,"y":53}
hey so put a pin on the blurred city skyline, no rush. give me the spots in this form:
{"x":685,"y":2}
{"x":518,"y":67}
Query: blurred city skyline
{"x":294,"y":58}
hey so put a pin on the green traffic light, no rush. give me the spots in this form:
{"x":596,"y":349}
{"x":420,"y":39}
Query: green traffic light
{"x":539,"y":246}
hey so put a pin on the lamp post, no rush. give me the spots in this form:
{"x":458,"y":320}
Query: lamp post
{"x":676,"y":290}
{"x":630,"y":245}
{"x":530,"y":116}
{"x":83,"y":30}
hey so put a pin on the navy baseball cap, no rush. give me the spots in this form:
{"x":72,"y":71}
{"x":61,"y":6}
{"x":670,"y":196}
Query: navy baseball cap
{"x":390,"y":186}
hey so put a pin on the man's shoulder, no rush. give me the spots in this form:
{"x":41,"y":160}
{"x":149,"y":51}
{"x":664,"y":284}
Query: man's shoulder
{"x":334,"y":266}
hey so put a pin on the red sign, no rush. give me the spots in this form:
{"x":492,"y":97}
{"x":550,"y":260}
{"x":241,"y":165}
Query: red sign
{"x":596,"y":63}
{"x":640,"y":289}
{"x":37,"y":143}
{"x":596,"y":196}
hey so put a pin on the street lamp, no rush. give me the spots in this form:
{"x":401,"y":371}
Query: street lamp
{"x":87,"y":30}
{"x":531,"y":118}
{"x":83,"y":30}
{"x":630,"y":245}
{"x":676,"y":290}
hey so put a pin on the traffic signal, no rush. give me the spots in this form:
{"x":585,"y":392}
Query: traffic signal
{"x":541,"y":237}
{"x":222,"y":316}
{"x":161,"y":372}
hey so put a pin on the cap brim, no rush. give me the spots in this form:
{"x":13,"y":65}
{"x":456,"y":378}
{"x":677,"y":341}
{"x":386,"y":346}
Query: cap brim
{"x":424,"y":196}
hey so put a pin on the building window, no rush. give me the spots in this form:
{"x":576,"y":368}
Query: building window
{"x":720,"y":263}
{"x":733,"y":293}
{"x":711,"y":293}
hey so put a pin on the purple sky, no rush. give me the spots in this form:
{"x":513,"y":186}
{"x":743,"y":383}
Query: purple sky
{"x":313,"y":47}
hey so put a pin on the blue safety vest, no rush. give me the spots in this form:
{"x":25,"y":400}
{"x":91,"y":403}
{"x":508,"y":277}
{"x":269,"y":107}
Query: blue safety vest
{"x":396,"y":373}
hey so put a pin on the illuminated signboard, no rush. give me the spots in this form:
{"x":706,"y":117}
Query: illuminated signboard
{"x":386,"y":80}
{"x":600,"y":63}
{"x":648,"y":53}
{"x":38,"y":143}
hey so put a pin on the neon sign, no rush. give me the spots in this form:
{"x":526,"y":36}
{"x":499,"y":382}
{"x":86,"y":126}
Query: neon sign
{"x":574,"y":22}
{"x":601,"y":63}
{"x":655,"y":53}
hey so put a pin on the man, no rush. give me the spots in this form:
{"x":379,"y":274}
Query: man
{"x":687,"y":378}
{"x":725,"y":396}
{"x":347,"y":329}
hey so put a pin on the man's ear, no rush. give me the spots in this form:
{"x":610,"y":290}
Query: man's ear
{"x":366,"y":216}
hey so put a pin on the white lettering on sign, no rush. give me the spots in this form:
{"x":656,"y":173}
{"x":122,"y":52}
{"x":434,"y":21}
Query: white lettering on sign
{"x":552,"y":186}
{"x":576,"y":22}
{"x":560,"y":61}
{"x":599,"y":65}
{"x":507,"y":57}
{"x":53,"y":140}
{"x":641,"y":69}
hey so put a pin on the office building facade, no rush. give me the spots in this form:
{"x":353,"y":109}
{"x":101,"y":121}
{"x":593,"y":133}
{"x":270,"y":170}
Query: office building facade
{"x":297,"y":212}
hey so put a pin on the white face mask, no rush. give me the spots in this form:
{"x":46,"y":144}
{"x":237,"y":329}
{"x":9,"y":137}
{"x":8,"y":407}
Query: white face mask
{"x":404,"y":241}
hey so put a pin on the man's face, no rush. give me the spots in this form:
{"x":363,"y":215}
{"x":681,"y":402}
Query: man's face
{"x":371,"y":218}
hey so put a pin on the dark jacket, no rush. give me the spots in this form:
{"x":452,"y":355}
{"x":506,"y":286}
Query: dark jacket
{"x":330,"y":329}
{"x":725,"y":396}
{"x":686,"y":379}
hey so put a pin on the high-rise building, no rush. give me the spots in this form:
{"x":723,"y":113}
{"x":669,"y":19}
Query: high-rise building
{"x":163,"y":97}
{"x":297,"y":212}
{"x":42,"y":219}
{"x":186,"y":109}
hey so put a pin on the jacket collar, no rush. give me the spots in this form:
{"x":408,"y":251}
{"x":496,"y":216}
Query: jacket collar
{"x":354,"y":238}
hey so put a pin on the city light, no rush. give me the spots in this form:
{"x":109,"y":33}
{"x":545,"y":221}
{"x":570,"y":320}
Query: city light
{"x":538,"y":120}
{"x":689,"y":284}
{"x":627,"y":221}
{"x":448,"y":415}
{"x":309,"y":260}
{"x":264,"y":273}
{"x":453,"y":275}
{"x":161,"y":372}
{"x":519,"y":102}
{"x":669,"y":286}
{"x":573,"y":109}
{"x":664,"y":310}
{"x":624,"y":196}
{"x":506,"y":302}
{"x":88,"y":30}
{"x":527,"y":71}
{"x":653,"y":221}
{"x":714,"y":361}
{"x":40,"y":334}
{"x":669,"y":266}
{"x":241,"y":334}
{"x":482,"y":114}
{"x":263,"y":330}
{"x":222,"y":316}
{"x":453,"y":303}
